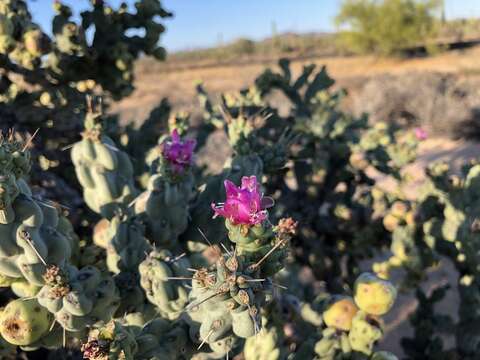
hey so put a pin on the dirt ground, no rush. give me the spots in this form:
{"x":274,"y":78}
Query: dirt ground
{"x":178,"y":86}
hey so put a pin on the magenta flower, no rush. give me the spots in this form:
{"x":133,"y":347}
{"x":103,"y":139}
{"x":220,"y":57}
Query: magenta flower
{"x":420,"y":133}
{"x":245,"y":204}
{"x":178,"y":153}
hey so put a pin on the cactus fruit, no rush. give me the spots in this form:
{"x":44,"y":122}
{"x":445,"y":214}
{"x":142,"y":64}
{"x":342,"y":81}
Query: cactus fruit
{"x":339,"y":313}
{"x":24,"y":321}
{"x":374,"y":295}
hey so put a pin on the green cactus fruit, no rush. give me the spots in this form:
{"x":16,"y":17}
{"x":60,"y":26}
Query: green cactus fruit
{"x":365,"y":332}
{"x":163,"y":277}
{"x":399,"y":209}
{"x":374,"y":295}
{"x":24,"y":321}
{"x":339,"y":312}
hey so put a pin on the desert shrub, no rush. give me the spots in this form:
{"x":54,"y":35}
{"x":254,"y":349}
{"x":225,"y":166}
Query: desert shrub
{"x":386,"y":27}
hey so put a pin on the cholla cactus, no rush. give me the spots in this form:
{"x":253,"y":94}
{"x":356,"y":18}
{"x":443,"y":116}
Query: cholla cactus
{"x":165,"y":203}
{"x":163,"y":278}
{"x":127,"y":245}
{"x":32,"y":234}
{"x":226,"y":300}
{"x":105,"y":172}
{"x":190,"y":267}
{"x":78,"y":297}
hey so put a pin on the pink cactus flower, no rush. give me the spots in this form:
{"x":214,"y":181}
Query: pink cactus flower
{"x":178,"y":153}
{"x":420,"y":134}
{"x":244,"y":205}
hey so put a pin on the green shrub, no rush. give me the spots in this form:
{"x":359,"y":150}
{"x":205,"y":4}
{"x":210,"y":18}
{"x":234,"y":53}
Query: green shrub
{"x":386,"y":27}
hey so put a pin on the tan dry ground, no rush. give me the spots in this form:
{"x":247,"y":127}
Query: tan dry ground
{"x":179,"y":88}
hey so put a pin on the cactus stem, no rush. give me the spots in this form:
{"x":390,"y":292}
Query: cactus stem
{"x":29,"y":141}
{"x":206,"y":339}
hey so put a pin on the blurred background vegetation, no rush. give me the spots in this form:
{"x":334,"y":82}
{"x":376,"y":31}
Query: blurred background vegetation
{"x":383,"y":28}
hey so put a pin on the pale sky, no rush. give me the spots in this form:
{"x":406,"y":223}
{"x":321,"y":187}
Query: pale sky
{"x":204,"y":23}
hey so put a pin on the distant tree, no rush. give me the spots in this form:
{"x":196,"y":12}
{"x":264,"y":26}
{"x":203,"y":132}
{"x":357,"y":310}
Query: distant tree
{"x":385,"y":27}
{"x":243,"y":46}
